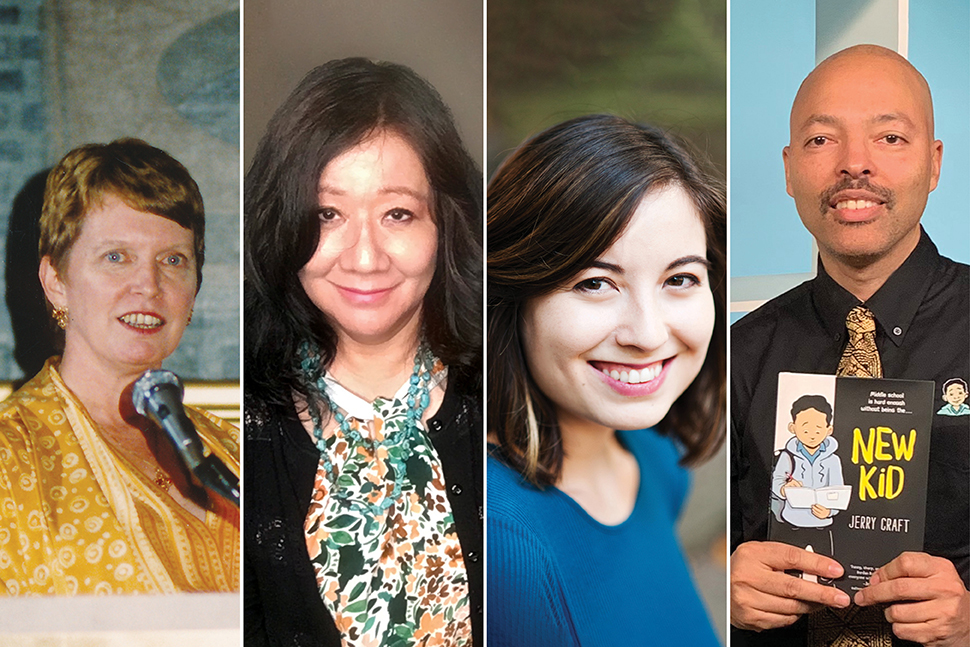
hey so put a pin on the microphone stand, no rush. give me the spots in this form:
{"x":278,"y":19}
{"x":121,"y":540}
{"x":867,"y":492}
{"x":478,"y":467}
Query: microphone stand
{"x":157,"y":395}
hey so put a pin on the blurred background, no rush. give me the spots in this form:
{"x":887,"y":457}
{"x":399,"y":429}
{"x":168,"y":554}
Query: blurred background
{"x":81,"y":71}
{"x":657,"y":61}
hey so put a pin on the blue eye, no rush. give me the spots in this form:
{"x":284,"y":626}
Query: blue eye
{"x":175,"y":260}
{"x":113,"y":257}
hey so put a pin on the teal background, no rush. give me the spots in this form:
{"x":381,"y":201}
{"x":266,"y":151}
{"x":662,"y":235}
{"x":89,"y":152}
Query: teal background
{"x":772,"y":50}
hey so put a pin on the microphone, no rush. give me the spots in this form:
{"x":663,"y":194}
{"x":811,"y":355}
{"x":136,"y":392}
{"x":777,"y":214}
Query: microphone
{"x":157,"y":395}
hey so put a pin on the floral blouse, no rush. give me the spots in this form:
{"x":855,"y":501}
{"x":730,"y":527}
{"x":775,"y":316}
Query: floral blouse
{"x":380,"y":531}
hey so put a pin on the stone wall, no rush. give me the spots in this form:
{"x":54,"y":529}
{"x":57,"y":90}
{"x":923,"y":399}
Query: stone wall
{"x":22,"y":137}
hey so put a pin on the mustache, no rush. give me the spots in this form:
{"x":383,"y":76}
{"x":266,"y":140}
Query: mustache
{"x":861,"y":184}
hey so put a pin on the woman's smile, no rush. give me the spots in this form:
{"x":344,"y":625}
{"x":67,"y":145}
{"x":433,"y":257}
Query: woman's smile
{"x":378,"y":240}
{"x":630,"y":373}
{"x":632,"y":381}
{"x":143,"y":321}
{"x":364,"y":297}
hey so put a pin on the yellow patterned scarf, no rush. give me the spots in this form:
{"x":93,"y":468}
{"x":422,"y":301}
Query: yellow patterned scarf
{"x":79,"y":518}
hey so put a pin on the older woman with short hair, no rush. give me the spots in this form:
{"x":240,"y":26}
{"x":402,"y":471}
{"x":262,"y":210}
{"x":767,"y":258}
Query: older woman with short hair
{"x":97,"y":499}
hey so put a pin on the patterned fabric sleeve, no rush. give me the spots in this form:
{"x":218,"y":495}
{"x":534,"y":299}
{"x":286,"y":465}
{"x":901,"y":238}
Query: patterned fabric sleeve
{"x":78,"y":518}
{"x":17,"y":482}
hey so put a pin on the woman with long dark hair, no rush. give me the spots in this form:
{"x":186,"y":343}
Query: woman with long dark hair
{"x":606,"y":355}
{"x":363,"y":367}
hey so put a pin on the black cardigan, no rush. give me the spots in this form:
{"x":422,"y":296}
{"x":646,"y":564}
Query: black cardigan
{"x":282,"y":601}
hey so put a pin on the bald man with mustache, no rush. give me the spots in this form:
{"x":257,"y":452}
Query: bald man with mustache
{"x":860,"y":165}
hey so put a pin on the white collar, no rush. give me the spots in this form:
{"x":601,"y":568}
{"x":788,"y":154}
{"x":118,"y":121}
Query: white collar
{"x":355,"y":406}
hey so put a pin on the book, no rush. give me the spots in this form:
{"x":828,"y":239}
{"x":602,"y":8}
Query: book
{"x":851,"y":457}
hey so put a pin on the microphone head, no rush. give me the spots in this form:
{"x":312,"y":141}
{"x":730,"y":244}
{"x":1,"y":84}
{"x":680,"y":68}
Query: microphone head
{"x":149,"y":382}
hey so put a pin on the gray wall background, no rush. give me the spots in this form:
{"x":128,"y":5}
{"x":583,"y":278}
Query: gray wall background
{"x":439,"y":39}
{"x":166,"y":71}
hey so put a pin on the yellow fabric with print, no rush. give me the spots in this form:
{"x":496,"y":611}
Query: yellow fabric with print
{"x":78,"y":518}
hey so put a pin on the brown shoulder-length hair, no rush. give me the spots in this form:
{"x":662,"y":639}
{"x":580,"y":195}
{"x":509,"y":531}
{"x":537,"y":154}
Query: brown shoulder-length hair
{"x":555,"y":205}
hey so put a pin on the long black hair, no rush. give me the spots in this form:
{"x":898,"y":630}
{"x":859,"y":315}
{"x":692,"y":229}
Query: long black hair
{"x":335,"y":107}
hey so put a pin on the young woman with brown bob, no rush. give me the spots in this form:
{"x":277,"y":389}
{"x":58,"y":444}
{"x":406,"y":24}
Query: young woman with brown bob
{"x":606,"y":354}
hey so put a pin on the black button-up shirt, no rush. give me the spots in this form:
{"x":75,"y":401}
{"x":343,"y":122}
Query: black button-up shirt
{"x":922,"y":332}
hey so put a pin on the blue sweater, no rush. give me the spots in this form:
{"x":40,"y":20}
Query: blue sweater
{"x":557,"y":577}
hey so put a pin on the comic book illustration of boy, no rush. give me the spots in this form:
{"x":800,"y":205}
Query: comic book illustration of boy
{"x":807,"y":461}
{"x":955,"y":395}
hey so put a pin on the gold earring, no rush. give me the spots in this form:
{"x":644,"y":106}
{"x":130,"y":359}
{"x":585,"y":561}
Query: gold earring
{"x":60,"y":316}
{"x":191,"y":312}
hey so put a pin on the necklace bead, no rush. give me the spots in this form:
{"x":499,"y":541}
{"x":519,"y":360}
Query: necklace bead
{"x":398,"y":444}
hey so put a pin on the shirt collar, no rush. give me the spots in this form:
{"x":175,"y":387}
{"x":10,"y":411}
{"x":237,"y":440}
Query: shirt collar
{"x":811,"y":457}
{"x":894,"y":305}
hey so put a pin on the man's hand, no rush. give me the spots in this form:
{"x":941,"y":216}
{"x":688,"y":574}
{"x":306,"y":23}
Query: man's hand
{"x":928,"y":602}
{"x":791,"y":483}
{"x":763,"y":596}
{"x":820,"y":511}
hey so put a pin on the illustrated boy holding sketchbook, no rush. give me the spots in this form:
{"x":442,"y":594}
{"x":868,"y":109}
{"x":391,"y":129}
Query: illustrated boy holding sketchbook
{"x":807,"y":485}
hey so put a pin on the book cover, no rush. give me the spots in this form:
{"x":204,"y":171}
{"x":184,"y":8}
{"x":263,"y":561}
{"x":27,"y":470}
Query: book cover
{"x":850,"y":468}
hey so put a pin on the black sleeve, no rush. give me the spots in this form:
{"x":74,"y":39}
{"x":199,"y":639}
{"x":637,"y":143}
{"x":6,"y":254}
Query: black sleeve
{"x":254,"y":620}
{"x":281,"y":591}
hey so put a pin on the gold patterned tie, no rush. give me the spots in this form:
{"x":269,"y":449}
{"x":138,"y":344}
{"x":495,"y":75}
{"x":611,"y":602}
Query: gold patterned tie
{"x":854,"y":626}
{"x":860,"y":357}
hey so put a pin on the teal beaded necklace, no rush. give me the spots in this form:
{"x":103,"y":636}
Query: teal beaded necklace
{"x":398,"y":444}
